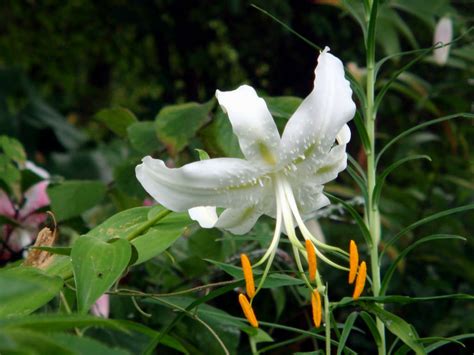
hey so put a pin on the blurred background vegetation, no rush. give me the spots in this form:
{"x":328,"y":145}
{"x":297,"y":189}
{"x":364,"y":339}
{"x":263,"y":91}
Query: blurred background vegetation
{"x":63,"y":62}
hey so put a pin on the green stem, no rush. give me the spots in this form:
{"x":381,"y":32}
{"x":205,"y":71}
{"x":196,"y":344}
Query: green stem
{"x":372,"y":212}
{"x":139,"y":231}
{"x":327,"y":320}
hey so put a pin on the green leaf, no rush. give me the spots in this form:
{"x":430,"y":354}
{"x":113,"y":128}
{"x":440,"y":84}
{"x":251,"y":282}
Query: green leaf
{"x":223,"y":326}
{"x":9,"y":173}
{"x":346,"y":331}
{"x":358,"y":219}
{"x":116,"y":119}
{"x":364,"y":136}
{"x":30,"y":342}
{"x":71,"y":198}
{"x":381,"y":179}
{"x":418,"y":127}
{"x":55,"y":250}
{"x":219,"y":137}
{"x":398,"y":327}
{"x":24,"y":290}
{"x":126,"y":180}
{"x":65,"y":322}
{"x":60,"y":265}
{"x":84,"y":345}
{"x":402,"y":299}
{"x":425,"y":220}
{"x":175,"y":125}
{"x":272,"y":281}
{"x":389,"y":273}
{"x":282,"y":106}
{"x":371,"y":31}
{"x":97,"y":265}
{"x":449,"y":340}
{"x":158,"y":239}
{"x":203,"y":244}
{"x":137,"y":224}
{"x":143,"y":138}
{"x":369,"y":321}
{"x":120,"y":225}
{"x":258,"y":335}
{"x":13,"y":149}
{"x":202,"y":154}
{"x":22,"y":341}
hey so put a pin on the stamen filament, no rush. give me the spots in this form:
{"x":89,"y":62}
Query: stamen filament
{"x":304,"y":230}
{"x":312,"y":263}
{"x":290,"y":229}
{"x":275,"y":239}
{"x":248,"y":311}
{"x":360,"y":281}
{"x":353,"y":261}
{"x":306,"y":233}
{"x":270,"y":253}
{"x":248,"y":275}
{"x":316,"y":307}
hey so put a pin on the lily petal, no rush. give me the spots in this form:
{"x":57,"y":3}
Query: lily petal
{"x":252,"y":123}
{"x":309,"y":198}
{"x":319,"y":169}
{"x":322,"y":115}
{"x":206,"y":216}
{"x":221,"y":182}
{"x":239,"y":220}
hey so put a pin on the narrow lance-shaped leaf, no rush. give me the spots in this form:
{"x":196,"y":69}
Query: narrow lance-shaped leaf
{"x":417,"y":128}
{"x":381,"y":179}
{"x":424,"y":221}
{"x":398,"y":327}
{"x":346,"y":331}
{"x":393,"y":266}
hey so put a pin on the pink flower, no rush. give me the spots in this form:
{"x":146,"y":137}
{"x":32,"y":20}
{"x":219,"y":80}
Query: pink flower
{"x":101,"y":307}
{"x":27,"y":219}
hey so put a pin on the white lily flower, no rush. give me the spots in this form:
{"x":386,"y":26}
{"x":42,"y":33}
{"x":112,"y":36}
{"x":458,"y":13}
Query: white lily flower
{"x":281,"y":177}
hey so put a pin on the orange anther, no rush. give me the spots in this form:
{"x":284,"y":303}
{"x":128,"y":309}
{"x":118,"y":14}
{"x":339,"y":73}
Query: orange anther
{"x":317,"y":308}
{"x":248,"y":275}
{"x":353,"y":261}
{"x":248,"y":311}
{"x":360,"y":282}
{"x":312,"y":265}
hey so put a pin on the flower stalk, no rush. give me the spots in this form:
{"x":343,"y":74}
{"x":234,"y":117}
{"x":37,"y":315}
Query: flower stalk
{"x":372,"y":210}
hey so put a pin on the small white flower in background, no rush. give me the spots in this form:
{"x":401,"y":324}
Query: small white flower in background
{"x":443,"y":34}
{"x":281,"y":177}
